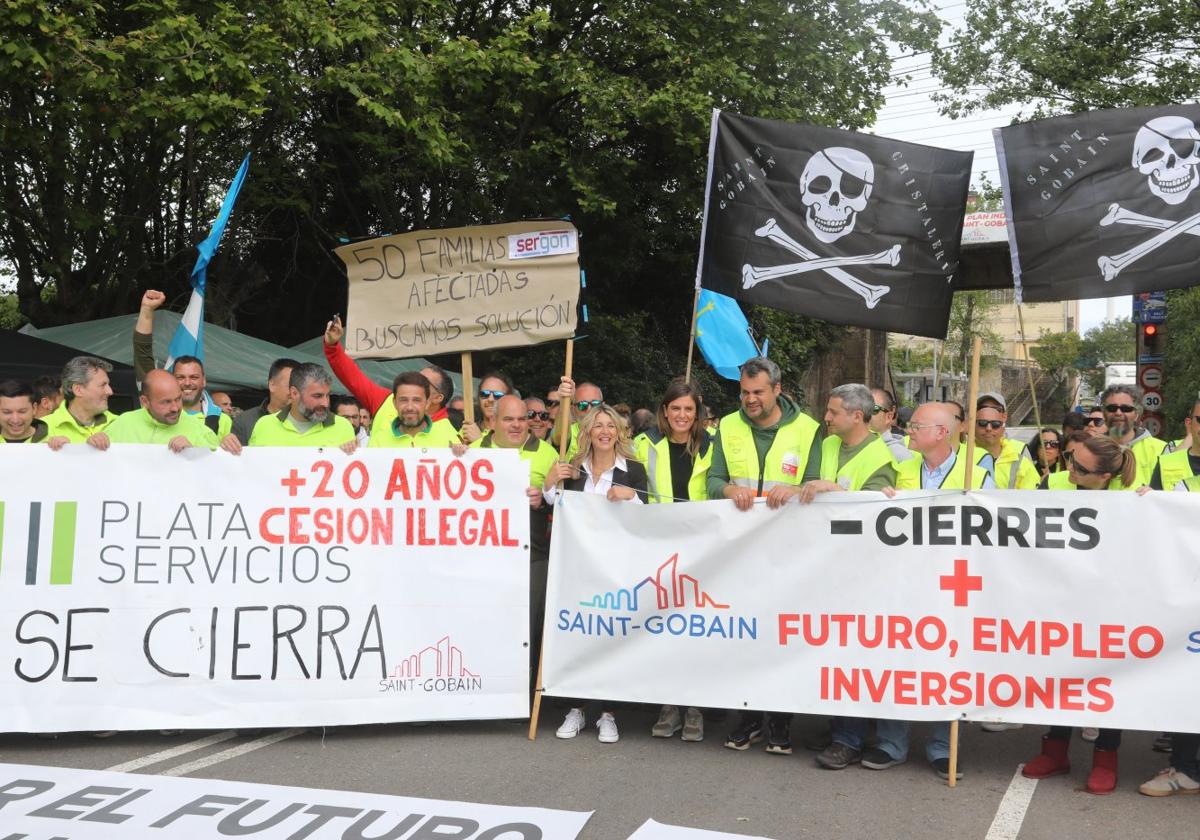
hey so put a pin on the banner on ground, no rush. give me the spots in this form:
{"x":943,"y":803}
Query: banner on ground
{"x":1102,"y":203}
{"x":98,"y":805}
{"x":846,"y":227}
{"x":462,"y":289}
{"x":1030,"y":607}
{"x":654,"y":830}
{"x":140,"y":589}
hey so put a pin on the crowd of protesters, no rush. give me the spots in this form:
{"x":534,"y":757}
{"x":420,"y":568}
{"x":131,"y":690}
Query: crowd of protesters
{"x":769,"y":451}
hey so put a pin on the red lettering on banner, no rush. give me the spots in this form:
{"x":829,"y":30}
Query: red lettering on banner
{"x":1096,"y":687}
{"x":983,"y":635}
{"x":787,"y":627}
{"x":1070,"y":693}
{"x":468,"y":527}
{"x":933,"y":689}
{"x":899,"y":629}
{"x":445,"y":521}
{"x":264,"y":530}
{"x":295,"y":534}
{"x":1110,"y":646}
{"x":397,"y":483}
{"x":1155,"y":637}
{"x":906,"y":688}
{"x":1054,"y":635}
{"x":484,"y":488}
{"x":964,"y":689}
{"x":429,"y":474}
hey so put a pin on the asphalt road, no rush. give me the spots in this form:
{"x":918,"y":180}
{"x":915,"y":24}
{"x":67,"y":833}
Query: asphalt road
{"x":691,"y":784}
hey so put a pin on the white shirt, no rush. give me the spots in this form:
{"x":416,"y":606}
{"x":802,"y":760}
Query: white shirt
{"x":595,"y":484}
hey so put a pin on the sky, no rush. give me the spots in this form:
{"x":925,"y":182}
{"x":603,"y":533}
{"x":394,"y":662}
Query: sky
{"x":911,"y":115}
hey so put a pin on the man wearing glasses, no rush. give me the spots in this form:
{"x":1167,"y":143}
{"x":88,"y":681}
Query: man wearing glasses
{"x":1122,"y":410}
{"x":1181,"y":464}
{"x":1014,"y":469}
{"x":883,"y":423}
{"x":581,"y":399}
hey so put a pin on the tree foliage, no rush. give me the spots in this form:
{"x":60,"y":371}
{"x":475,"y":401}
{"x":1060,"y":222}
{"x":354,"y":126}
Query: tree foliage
{"x":123,"y":122}
{"x":970,"y":316}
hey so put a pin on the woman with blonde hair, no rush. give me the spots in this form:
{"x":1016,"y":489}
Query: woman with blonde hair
{"x":606,"y":464}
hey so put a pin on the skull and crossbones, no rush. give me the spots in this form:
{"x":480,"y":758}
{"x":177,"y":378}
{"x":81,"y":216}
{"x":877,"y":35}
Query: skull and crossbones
{"x":1167,"y":151}
{"x":835,"y":186}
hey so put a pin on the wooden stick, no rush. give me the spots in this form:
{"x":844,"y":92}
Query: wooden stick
{"x":468,"y":389}
{"x":687,"y":375}
{"x":973,"y":392}
{"x":564,"y":439}
{"x":1037,"y":412}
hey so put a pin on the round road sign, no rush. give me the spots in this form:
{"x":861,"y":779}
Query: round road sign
{"x":1152,"y":401}
{"x":1153,"y":424}
{"x":1150,"y":376}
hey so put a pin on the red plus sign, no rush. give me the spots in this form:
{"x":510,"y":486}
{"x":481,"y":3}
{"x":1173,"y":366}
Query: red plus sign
{"x":293,"y":482}
{"x":962,"y":583}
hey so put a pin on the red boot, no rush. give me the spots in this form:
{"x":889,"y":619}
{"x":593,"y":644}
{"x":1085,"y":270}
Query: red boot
{"x":1052,"y":761}
{"x":1103,"y":778}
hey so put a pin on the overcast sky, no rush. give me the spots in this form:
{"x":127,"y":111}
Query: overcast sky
{"x":911,"y":115}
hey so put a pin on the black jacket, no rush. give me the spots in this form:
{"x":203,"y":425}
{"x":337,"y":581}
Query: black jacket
{"x":633,"y":476}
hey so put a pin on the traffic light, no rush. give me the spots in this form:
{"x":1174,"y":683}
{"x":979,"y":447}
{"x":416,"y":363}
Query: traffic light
{"x":1153,"y":340}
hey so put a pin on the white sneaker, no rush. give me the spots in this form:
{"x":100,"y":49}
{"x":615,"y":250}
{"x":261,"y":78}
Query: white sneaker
{"x":1089,"y":733}
{"x":999,"y":727}
{"x":608,"y":728}
{"x":693,"y":725}
{"x":572,"y":725}
{"x":668,"y":722}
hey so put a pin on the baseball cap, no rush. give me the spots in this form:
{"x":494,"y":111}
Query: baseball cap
{"x":991,"y":396}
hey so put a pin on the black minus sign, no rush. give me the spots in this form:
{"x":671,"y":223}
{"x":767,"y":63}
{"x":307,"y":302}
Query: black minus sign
{"x":845,"y":526}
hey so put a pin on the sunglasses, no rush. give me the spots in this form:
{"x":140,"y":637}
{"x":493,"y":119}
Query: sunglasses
{"x":493,"y":394}
{"x":989,"y":424}
{"x":879,"y":409}
{"x":584,"y":405}
{"x":1051,"y":444}
{"x":1082,"y":470}
{"x":1113,"y":408}
{"x":538,"y":415}
{"x":552,"y":403}
{"x":1095,"y":421}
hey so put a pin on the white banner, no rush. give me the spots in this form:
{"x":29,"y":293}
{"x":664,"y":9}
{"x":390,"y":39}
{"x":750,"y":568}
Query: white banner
{"x":140,"y":589}
{"x":1035,"y":607}
{"x":653,"y":830}
{"x":96,"y":805}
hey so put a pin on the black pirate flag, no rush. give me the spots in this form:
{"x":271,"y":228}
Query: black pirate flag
{"x":846,"y":227}
{"x":1103,"y":203}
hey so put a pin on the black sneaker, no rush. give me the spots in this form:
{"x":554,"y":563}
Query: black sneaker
{"x":838,"y":756}
{"x":878,"y":759}
{"x":779,"y":738}
{"x":749,"y":731}
{"x":941,"y":766}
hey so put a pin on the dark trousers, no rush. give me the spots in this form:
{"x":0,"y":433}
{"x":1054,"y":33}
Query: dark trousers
{"x":1109,"y":739}
{"x":1184,"y":746}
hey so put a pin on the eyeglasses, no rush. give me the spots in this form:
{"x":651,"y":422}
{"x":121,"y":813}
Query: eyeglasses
{"x":1082,"y":470}
{"x":917,"y":427}
{"x":1051,"y":444}
{"x":493,"y":394}
{"x":584,"y":405}
{"x":538,"y":415}
{"x":1113,"y":408}
{"x":1095,"y":421}
{"x":989,"y":424}
{"x":880,"y":410}
{"x":551,"y":403}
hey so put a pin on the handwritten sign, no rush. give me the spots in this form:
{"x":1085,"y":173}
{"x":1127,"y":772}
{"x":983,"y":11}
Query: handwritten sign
{"x":462,"y":289}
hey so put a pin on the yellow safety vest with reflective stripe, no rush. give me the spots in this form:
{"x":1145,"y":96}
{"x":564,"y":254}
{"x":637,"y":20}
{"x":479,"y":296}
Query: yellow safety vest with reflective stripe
{"x":538,"y":455}
{"x":62,"y":423}
{"x":1015,"y":470}
{"x":1191,"y":484}
{"x":655,"y":452}
{"x":908,"y":474}
{"x":854,"y":473}
{"x":1174,"y":467}
{"x":785,"y":461}
{"x":1146,"y":452}
{"x":437,"y":435}
{"x":1062,"y":481}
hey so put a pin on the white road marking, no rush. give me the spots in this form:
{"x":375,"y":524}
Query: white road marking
{"x":1007,"y":823}
{"x":173,"y":752}
{"x":232,"y":752}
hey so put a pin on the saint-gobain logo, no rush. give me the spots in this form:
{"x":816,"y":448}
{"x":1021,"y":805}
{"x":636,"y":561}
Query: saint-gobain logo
{"x":543,"y":243}
{"x":435,"y":669}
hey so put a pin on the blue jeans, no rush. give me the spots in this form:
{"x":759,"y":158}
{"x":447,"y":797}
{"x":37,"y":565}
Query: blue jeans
{"x":893,"y":737}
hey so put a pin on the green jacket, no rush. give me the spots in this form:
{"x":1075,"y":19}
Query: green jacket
{"x":279,"y":430}
{"x":61,"y":423}
{"x":718,"y":473}
{"x":140,"y":427}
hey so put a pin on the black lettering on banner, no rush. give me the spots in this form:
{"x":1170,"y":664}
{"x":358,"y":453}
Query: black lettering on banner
{"x":19,"y":789}
{"x":86,"y":799}
{"x":355,"y":832}
{"x":431,"y":829}
{"x":881,"y":522}
{"x":33,"y":640}
{"x":976,"y":523}
{"x":322,"y":634}
{"x":1008,"y":531}
{"x":146,"y":644}
{"x":108,"y":814}
{"x":527,"y":831}
{"x":233,"y":823}
{"x":201,"y":806}
{"x":237,"y":643}
{"x":1081,"y":521}
{"x":358,"y":255}
{"x":941,"y":525}
{"x":287,"y":634}
{"x":1049,"y":522}
{"x":372,"y":621}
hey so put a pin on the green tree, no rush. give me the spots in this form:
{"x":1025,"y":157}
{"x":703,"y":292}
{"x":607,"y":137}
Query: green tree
{"x":1059,"y":355}
{"x":1181,"y":364}
{"x":970,"y":314}
{"x":1107,"y":343}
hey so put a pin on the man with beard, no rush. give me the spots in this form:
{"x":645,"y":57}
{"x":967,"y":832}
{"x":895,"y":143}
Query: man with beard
{"x":308,"y":420}
{"x":161,"y":419}
{"x":410,"y":424}
{"x":17,"y":421}
{"x":83,"y":415}
{"x":768,"y":448}
{"x":1122,"y":405}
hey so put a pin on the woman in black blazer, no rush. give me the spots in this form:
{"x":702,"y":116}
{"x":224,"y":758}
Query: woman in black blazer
{"x":606,"y":464}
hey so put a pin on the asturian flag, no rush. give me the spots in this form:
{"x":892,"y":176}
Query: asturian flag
{"x":723,"y":334}
{"x":189,"y":337}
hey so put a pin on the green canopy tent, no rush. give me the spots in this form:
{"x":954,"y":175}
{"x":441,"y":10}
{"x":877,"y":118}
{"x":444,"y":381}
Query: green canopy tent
{"x":233,"y":362}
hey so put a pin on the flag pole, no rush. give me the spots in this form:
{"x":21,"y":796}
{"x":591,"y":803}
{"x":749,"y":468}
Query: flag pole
{"x":1037,"y":412}
{"x":564,"y":438}
{"x":687,"y":376}
{"x":969,"y":467}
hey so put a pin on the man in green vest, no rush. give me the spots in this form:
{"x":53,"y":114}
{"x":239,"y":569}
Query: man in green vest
{"x":161,"y":419}
{"x":1122,"y":406}
{"x":580,"y":399}
{"x":83,"y":415}
{"x":853,"y":457}
{"x":307,"y":421}
{"x":1182,"y":463}
{"x":765,"y":449}
{"x":1011,"y":465}
{"x":17,"y":423}
{"x":410,"y":425}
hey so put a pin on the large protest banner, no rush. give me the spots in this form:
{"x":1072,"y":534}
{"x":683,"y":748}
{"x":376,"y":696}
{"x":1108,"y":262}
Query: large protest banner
{"x":96,"y":805}
{"x":462,"y":289}
{"x":1102,"y":203}
{"x":847,"y":227}
{"x":1024,"y":606}
{"x":140,"y":589}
